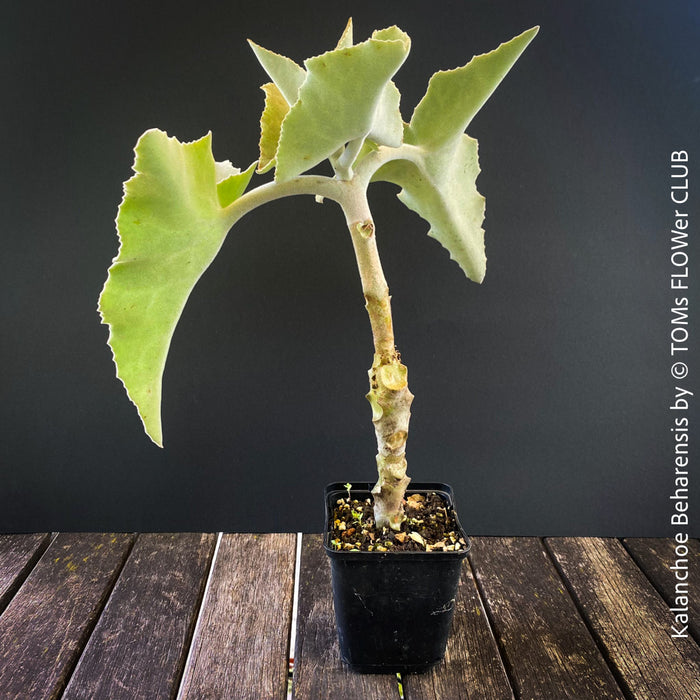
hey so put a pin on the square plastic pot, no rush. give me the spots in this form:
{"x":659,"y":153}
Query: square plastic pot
{"x":393,"y":609}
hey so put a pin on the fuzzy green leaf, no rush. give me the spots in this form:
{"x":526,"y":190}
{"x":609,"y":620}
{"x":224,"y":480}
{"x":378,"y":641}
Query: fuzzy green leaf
{"x":438,"y":176}
{"x":232,"y":184}
{"x":440,"y":187}
{"x":387,"y":126}
{"x":345,"y":97}
{"x":455,"y":96}
{"x":285,"y":73}
{"x":276,"y":108}
{"x":171,"y":225}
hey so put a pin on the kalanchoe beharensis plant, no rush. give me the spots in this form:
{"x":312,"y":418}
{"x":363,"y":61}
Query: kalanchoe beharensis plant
{"x":342,"y":106}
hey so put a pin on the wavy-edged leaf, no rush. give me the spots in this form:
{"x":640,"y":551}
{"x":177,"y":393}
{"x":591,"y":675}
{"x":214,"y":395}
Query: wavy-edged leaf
{"x":440,"y":186}
{"x":455,"y":96}
{"x":340,"y":100}
{"x":233,"y":185}
{"x":438,"y":176}
{"x":171,"y":225}
{"x":285,"y":73}
{"x":387,"y":125}
{"x":392,"y":33}
{"x":276,"y":108}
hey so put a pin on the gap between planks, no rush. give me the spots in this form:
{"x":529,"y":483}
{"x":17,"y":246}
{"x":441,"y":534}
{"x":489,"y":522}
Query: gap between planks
{"x":291,"y":644}
{"x":198,"y":624}
{"x":233,"y":654}
{"x":104,"y":569}
{"x":545,"y":644}
{"x":617,"y":598}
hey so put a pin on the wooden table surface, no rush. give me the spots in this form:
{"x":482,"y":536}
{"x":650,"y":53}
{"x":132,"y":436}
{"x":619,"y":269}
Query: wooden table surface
{"x":190,"y":615}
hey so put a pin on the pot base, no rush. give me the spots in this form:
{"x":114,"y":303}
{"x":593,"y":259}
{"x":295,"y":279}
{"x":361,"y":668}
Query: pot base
{"x":383,"y":669}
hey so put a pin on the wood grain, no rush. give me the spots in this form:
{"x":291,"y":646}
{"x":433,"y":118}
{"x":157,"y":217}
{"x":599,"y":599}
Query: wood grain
{"x":655,"y":557}
{"x":548,"y":649}
{"x":43,"y":629}
{"x":18,"y":554}
{"x":472,"y":668}
{"x":138,"y":648}
{"x":241,"y":643}
{"x":629,"y":618}
{"x":318,"y":671}
{"x":584,"y":619}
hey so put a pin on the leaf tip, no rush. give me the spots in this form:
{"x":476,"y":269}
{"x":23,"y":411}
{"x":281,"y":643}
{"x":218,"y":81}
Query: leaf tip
{"x":258,"y":50}
{"x":346,"y":38}
{"x":154,"y":432}
{"x":528,"y":35}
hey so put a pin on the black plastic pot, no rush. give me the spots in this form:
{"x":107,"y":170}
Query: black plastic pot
{"x":393,"y":609}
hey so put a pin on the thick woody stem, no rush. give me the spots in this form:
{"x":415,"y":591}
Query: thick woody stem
{"x":391,"y":412}
{"x":388,"y":395}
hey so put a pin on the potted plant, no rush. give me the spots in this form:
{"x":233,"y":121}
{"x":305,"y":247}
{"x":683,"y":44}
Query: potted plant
{"x":177,"y":209}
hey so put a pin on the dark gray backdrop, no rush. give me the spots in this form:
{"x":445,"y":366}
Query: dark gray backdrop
{"x":541,"y":395}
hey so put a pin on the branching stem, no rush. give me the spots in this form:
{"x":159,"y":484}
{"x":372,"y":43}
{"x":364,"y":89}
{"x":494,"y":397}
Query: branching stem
{"x":389,"y":395}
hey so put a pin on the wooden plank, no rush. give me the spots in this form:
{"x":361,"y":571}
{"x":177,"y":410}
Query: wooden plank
{"x":679,"y":586}
{"x":629,"y":618}
{"x":18,"y":555}
{"x":44,"y":628}
{"x":241,"y":644}
{"x":548,"y":649}
{"x":318,"y":670}
{"x":138,"y":648}
{"x":472,"y":669}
